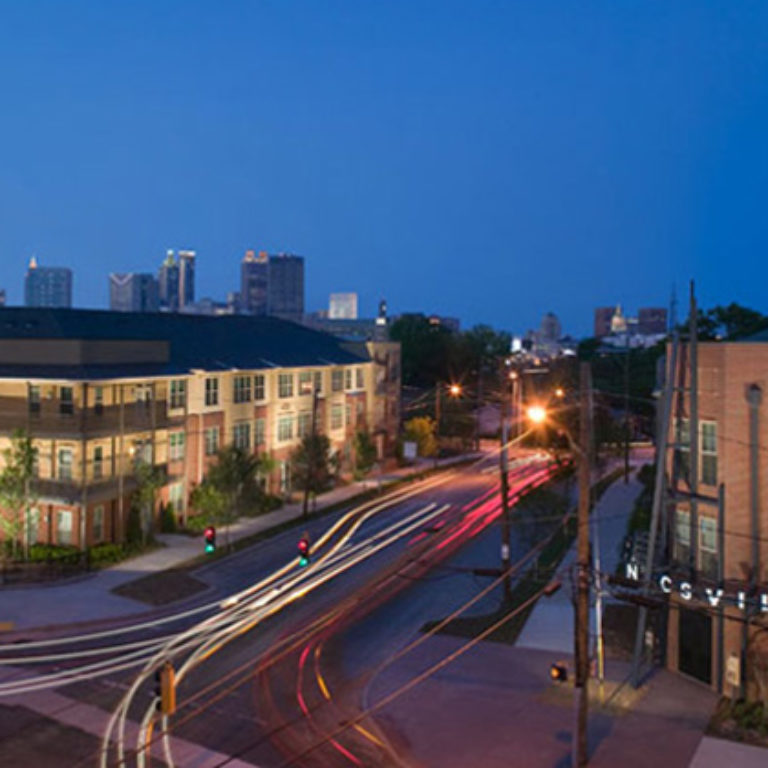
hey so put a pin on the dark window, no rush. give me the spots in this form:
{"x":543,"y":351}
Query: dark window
{"x":66,"y":401}
{"x":34,"y":398}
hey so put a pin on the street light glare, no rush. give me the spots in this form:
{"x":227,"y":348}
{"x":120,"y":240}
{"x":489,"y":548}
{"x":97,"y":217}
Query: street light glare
{"x":455,"y":390}
{"x":537,"y":414}
{"x":559,"y":392}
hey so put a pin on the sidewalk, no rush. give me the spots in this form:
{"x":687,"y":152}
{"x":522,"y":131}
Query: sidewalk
{"x":90,"y":598}
{"x":550,"y":625}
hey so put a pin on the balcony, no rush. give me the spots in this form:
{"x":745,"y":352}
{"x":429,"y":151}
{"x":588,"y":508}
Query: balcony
{"x":53,"y":418}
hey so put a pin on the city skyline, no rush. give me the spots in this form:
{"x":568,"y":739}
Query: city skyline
{"x":619,"y":148}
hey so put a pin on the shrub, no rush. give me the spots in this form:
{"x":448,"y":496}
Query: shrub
{"x":167,"y":518}
{"x":104,"y":554}
{"x":43,"y":553}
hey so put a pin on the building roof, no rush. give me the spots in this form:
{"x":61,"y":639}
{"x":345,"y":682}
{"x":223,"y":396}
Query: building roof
{"x":196,"y":342}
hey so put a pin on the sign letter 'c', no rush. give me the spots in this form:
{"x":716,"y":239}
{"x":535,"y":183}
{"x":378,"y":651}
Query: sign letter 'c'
{"x":666,"y":584}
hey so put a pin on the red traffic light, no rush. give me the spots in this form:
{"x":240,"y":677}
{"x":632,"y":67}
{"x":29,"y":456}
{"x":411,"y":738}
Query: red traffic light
{"x":303,"y":546}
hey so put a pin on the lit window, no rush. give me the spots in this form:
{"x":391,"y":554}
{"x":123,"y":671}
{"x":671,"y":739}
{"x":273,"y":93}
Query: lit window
{"x":241,"y":436}
{"x":304,"y":424}
{"x":259,"y":387}
{"x":178,"y":393}
{"x":259,"y":432}
{"x":211,"y":441}
{"x":708,"y":546}
{"x":176,"y":446}
{"x":64,"y":526}
{"x":285,"y":385}
{"x":242,"y":389}
{"x":709,"y":452}
{"x":212,"y":391}
{"x":337,"y":416}
{"x":285,"y":428}
{"x":305,"y":383}
{"x":97,"y":530}
{"x":682,"y":535}
{"x":65,"y":464}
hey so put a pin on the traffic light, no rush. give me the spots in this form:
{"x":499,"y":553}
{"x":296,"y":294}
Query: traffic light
{"x":558,"y":672}
{"x":304,"y":551}
{"x":210,"y":540}
{"x":165,"y":688}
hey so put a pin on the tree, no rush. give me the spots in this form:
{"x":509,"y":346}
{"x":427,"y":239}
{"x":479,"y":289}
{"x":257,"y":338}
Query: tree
{"x":365,"y":451}
{"x":311,"y":464}
{"x":16,"y":494}
{"x":150,"y":479}
{"x":421,"y":430}
{"x":212,"y":503}
{"x":230,"y":488}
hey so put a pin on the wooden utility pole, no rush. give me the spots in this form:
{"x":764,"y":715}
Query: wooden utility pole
{"x":581,"y":626}
{"x":504,"y":471}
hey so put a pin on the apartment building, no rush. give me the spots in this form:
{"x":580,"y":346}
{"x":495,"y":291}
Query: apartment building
{"x":716,"y":570}
{"x":99,"y":391}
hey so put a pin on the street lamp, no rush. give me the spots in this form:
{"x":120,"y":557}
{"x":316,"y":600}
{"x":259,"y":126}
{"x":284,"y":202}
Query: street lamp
{"x":454,"y":390}
{"x":538,"y":415}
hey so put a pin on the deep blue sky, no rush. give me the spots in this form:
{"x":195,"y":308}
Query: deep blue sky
{"x":487,"y":160}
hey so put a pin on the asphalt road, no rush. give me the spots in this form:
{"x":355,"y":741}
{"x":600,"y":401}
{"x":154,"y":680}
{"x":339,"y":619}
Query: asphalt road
{"x":272,"y":696}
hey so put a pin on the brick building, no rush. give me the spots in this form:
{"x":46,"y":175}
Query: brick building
{"x":99,"y":390}
{"x":716,"y":572}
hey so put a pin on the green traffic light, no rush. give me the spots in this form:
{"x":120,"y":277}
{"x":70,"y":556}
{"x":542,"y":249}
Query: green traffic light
{"x":303,"y":562}
{"x":210,"y":548}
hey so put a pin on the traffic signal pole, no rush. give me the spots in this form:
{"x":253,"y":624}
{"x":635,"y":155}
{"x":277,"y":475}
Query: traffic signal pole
{"x":308,"y":479}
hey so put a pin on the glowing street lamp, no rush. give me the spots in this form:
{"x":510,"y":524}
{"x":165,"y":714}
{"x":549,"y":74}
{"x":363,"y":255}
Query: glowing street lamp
{"x":537,"y":414}
{"x":560,"y":392}
{"x":455,"y":390}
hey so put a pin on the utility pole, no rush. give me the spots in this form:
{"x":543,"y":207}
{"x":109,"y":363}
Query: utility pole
{"x":626,"y":406}
{"x":581,"y":626}
{"x":309,"y":457}
{"x":504,"y":470}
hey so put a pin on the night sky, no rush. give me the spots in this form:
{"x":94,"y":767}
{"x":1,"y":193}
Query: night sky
{"x":490,"y":161}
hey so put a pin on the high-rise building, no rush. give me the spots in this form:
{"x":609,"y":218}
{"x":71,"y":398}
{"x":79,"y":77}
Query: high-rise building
{"x":254,"y":283}
{"x":168,"y":283}
{"x":186,"y":278}
{"x":286,"y":287}
{"x":47,"y":286}
{"x":603,"y":317}
{"x":343,"y":306}
{"x":652,"y":320}
{"x":133,"y":292}
{"x":550,"y":330}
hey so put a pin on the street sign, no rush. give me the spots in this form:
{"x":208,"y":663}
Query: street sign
{"x":409,"y":450}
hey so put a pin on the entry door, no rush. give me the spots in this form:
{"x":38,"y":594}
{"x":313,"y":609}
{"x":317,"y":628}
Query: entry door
{"x":695,"y":657}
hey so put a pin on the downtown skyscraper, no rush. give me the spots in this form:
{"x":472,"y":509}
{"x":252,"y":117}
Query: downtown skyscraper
{"x":272,"y":285}
{"x":176,"y":280}
{"x":47,"y":286}
{"x":133,"y":292}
